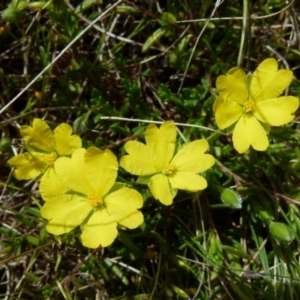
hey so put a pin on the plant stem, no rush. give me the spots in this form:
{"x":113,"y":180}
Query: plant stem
{"x":245,"y":32}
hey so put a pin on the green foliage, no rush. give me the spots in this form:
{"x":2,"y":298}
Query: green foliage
{"x":237,"y":239}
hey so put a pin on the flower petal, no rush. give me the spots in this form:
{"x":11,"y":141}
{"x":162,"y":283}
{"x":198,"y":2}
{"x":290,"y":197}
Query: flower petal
{"x":28,"y":165}
{"x":66,"y":143}
{"x":191,"y":158}
{"x":277,"y":111}
{"x":65,"y":212}
{"x":188,"y":181}
{"x":39,"y":135}
{"x":122,"y":205}
{"x":140,"y":161}
{"x":101,"y":168}
{"x":248,"y":131}
{"x":71,"y":171}
{"x":101,"y":229}
{"x":217,"y":102}
{"x":267,"y":82}
{"x":227,"y":113}
{"x":233,"y":86}
{"x":162,"y":141}
{"x":160,"y":189}
{"x":51,"y":186}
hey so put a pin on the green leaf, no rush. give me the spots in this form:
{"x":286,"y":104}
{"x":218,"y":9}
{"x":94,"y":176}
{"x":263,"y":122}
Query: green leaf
{"x":167,"y":19}
{"x":5,"y":145}
{"x":10,"y":15}
{"x":183,"y":43}
{"x":134,"y":249}
{"x":31,"y":277}
{"x":40,"y":5}
{"x":179,"y":291}
{"x":153,"y":38}
{"x":117,"y":271}
{"x":80,"y":124}
{"x":281,"y":232}
{"x":144,"y":179}
{"x":237,"y":252}
{"x":84,"y":5}
{"x":32,"y":240}
{"x":230,"y":198}
{"x":125,"y":9}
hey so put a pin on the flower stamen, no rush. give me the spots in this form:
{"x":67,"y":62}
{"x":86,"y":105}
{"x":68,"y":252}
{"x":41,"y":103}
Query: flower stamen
{"x":50,"y":159}
{"x":248,"y":105}
{"x":169,"y":169}
{"x":95,"y":199}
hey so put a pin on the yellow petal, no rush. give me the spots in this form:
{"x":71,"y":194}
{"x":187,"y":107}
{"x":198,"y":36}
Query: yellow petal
{"x":101,"y":169}
{"x":277,"y":111}
{"x":140,"y":161}
{"x":233,"y":86}
{"x":162,"y":141}
{"x":248,"y":131}
{"x":267,"y":82}
{"x":101,"y":229}
{"x":122,"y":205}
{"x":28,"y":165}
{"x":191,"y":158}
{"x":71,"y":171}
{"x":227,"y":113}
{"x":50,"y":185}
{"x":65,"y":212}
{"x":160,"y":189}
{"x":217,"y":102}
{"x":188,"y":181}
{"x":39,"y":135}
{"x":66,"y":143}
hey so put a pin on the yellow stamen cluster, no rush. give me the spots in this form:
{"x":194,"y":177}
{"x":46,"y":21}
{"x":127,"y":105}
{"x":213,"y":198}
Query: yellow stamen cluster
{"x":248,"y":105}
{"x":50,"y":159}
{"x":95,"y":199}
{"x":169,"y":169}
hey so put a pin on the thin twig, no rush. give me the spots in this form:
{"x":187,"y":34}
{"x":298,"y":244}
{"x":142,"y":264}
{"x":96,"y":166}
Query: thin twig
{"x":244,"y":33}
{"x":218,"y":3}
{"x":66,"y":280}
{"x":102,"y":30}
{"x":58,"y":57}
{"x":160,"y":122}
{"x":253,"y":17}
{"x":37,"y":110}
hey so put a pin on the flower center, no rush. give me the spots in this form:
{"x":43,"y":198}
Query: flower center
{"x":169,"y":169}
{"x":50,"y":159}
{"x":248,"y":105}
{"x":95,"y":199}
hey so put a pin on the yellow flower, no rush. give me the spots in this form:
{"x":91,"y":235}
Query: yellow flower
{"x":94,"y":200}
{"x":44,"y":147}
{"x":166,"y":172}
{"x":253,"y":103}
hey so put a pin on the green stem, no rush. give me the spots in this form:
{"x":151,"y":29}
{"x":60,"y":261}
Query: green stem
{"x":245,"y":31}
